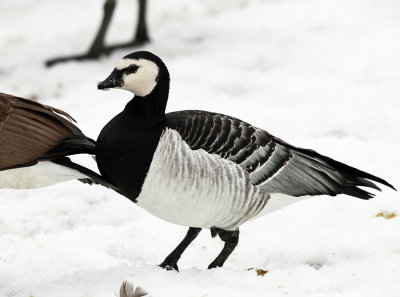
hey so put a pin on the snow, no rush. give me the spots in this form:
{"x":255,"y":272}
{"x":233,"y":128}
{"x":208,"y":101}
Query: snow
{"x":318,"y":74}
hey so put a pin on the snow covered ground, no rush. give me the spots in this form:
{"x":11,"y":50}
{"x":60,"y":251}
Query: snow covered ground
{"x":319,"y":74}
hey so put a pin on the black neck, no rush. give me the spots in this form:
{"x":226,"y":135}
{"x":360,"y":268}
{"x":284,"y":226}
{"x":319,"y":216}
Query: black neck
{"x":152,"y":106}
{"x":148,"y":108}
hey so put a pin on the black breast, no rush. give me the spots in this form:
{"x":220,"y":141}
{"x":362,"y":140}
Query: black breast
{"x":125,"y":149}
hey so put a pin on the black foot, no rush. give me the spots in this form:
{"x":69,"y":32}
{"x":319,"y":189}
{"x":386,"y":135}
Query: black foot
{"x":95,"y":55}
{"x":171,"y":261}
{"x":55,"y":61}
{"x":214,"y":265}
{"x":231,"y":239}
{"x":169,"y":265}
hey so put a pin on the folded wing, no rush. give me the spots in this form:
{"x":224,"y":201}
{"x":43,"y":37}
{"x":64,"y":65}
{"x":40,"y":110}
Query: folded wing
{"x":274,"y":165}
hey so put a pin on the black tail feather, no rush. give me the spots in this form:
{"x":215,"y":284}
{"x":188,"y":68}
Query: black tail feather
{"x":80,"y":144}
{"x":363,"y":177}
{"x":366,"y":183}
{"x":92,"y":177}
{"x":353,"y":176}
{"x":357,"y":192}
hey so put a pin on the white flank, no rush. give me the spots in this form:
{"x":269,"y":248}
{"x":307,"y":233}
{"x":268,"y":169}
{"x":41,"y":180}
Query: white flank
{"x":143,"y":81}
{"x":197,"y":189}
{"x":278,"y":201}
{"x":40,"y":175}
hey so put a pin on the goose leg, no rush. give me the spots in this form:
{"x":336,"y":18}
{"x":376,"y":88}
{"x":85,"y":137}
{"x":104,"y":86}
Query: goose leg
{"x":231,"y":239}
{"x":171,"y":261}
{"x":97,"y":48}
{"x":141,"y":36}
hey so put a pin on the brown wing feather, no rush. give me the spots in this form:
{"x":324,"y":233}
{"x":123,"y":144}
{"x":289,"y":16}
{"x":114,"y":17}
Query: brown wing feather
{"x":28,"y":130}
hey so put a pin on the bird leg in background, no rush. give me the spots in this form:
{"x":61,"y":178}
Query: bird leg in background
{"x":171,"y":261}
{"x":141,"y":36}
{"x":98,"y":48}
{"x":231,"y":239}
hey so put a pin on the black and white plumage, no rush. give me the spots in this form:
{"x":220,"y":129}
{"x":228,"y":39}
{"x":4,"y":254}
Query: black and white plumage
{"x":273,"y":165}
{"x":198,"y":189}
{"x":201,"y":169}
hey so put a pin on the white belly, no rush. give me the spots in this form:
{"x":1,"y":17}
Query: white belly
{"x":43,"y":174}
{"x":196,"y":189}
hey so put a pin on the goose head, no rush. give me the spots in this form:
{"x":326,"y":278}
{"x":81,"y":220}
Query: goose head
{"x":141,"y":73}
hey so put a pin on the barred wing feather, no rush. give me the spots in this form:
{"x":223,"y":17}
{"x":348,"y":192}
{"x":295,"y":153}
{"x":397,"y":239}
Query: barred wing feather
{"x":274,"y":165}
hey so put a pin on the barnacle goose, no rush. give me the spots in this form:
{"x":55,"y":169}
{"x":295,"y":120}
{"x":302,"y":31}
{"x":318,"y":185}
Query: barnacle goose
{"x":194,"y":168}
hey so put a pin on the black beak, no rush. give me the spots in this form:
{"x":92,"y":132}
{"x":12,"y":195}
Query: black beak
{"x":114,"y":80}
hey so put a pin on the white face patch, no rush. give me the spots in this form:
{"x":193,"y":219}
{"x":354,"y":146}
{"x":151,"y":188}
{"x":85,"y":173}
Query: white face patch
{"x":143,"y":81}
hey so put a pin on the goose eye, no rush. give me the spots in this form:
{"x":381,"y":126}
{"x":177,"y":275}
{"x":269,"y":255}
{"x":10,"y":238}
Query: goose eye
{"x":132,"y":69}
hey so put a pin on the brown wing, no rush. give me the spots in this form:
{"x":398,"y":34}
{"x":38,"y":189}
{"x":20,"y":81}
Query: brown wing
{"x":28,"y":130}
